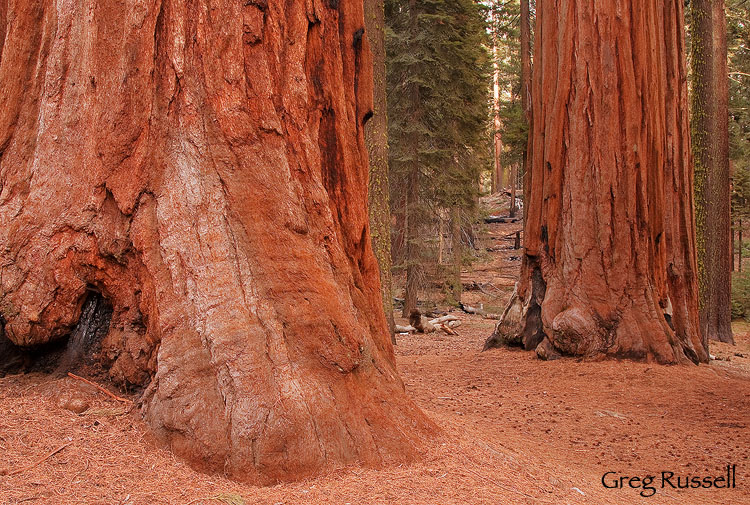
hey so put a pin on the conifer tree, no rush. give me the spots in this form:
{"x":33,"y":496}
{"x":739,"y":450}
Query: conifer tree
{"x":438,"y":99}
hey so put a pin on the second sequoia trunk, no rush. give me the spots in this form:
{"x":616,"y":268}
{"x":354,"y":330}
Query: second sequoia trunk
{"x":609,"y":265}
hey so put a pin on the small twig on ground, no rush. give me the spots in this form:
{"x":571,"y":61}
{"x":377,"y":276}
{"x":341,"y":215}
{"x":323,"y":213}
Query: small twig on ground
{"x":446,"y":329}
{"x":507,"y":488}
{"x":481,"y":288}
{"x":36,"y":463}
{"x":100,"y":388}
{"x":74,"y":479}
{"x":229,"y":499}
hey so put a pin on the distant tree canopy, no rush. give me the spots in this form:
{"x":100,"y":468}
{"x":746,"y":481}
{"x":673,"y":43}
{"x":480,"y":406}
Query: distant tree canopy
{"x":438,"y":109}
{"x":504,"y":27}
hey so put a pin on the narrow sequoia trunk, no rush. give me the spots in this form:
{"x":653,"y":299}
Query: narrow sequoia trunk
{"x":609,"y":266}
{"x":710,"y":132}
{"x":202,"y":166}
{"x":376,"y":138}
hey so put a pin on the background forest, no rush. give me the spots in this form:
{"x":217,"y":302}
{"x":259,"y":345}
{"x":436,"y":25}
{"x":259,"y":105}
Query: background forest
{"x":457,"y":131}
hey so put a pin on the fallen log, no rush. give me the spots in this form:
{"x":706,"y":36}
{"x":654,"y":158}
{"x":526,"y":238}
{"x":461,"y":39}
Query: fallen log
{"x":501,"y":219}
{"x":405,"y":329}
{"x":471,"y":310}
{"x":444,"y":319}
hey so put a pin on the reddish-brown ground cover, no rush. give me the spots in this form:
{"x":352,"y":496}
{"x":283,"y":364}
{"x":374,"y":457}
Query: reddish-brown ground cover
{"x":516,"y":430}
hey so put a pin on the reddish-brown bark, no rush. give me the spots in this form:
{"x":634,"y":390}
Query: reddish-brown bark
{"x":609,"y":265}
{"x":202,"y":166}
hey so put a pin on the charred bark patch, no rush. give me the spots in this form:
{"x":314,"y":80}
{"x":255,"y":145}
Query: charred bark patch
{"x":12,"y":358}
{"x":334,"y":177}
{"x":84,"y":343}
{"x":357,"y":39}
{"x":79,"y":350}
{"x":532,"y":333}
{"x":521,"y":322}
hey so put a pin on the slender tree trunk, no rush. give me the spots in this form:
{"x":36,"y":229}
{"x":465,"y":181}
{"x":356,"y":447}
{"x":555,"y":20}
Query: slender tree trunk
{"x":526,"y":85}
{"x":376,"y":138}
{"x":441,"y":238}
{"x":413,"y":266}
{"x":732,"y":222}
{"x":609,"y":243}
{"x":513,"y":179}
{"x":498,"y":182}
{"x":456,"y":253}
{"x":732,"y":247}
{"x":204,"y":170}
{"x":711,"y":158}
{"x":739,"y":239}
{"x":411,"y":244}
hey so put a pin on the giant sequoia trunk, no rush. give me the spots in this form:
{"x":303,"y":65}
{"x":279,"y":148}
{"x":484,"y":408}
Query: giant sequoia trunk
{"x":202,"y":166}
{"x":609,"y":265}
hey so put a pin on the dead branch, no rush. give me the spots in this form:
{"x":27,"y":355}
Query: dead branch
{"x":502,"y":486}
{"x":476,"y":286}
{"x":100,"y":388}
{"x":446,"y":329}
{"x":35,"y":464}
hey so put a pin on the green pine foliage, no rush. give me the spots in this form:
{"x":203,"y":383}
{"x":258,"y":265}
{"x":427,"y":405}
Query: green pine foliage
{"x":436,"y":50}
{"x":738,"y":47}
{"x":741,"y":295}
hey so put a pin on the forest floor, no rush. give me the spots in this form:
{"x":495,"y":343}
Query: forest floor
{"x":515,"y":430}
